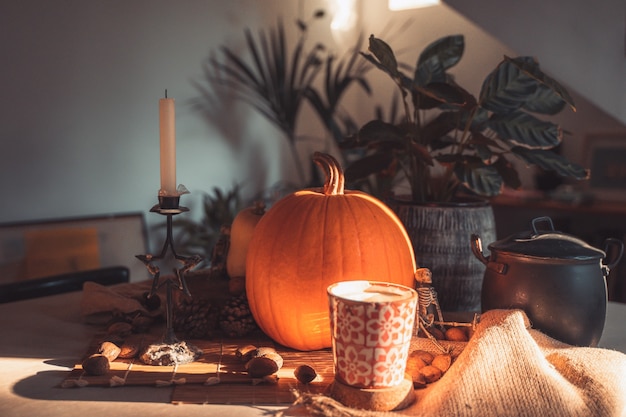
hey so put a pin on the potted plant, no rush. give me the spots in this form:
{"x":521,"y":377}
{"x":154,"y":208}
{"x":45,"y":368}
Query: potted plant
{"x":276,"y":79}
{"x":449,"y":144}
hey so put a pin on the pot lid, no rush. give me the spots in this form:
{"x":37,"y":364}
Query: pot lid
{"x":547,"y":244}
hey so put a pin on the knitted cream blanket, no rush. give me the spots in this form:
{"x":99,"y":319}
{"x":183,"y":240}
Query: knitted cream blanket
{"x":509,"y":369}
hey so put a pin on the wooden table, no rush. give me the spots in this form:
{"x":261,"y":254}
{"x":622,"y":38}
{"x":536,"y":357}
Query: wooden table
{"x":43,"y":338}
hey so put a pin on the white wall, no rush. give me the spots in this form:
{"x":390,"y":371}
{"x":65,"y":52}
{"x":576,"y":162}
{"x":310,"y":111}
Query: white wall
{"x":82,"y":78}
{"x":79,"y":116}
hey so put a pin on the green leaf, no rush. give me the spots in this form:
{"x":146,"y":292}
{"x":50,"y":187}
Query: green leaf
{"x":531,"y":67}
{"x":508,"y":173}
{"x":429,"y":71}
{"x":368,"y":165}
{"x":438,"y":127}
{"x":544,"y":101}
{"x":447,"y":51}
{"x":525,"y":130}
{"x":482,"y":179}
{"x":506,"y":88}
{"x":379,"y":131}
{"x":551,"y":161}
{"x":483,"y":151}
{"x":384,"y":54}
{"x":436,"y":94}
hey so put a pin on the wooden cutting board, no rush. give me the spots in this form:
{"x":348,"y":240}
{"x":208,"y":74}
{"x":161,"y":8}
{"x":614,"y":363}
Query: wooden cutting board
{"x":217,"y":377}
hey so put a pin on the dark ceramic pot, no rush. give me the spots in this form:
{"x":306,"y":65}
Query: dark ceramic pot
{"x":557,"y":279}
{"x":440,"y":234}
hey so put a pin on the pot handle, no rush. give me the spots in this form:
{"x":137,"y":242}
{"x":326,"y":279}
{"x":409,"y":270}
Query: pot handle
{"x":538,"y":220}
{"x":619,"y":252}
{"x":477,"y":249}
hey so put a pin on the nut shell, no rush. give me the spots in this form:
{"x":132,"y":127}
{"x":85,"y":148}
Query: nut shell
{"x":442,"y":362}
{"x":456,"y":334}
{"x":305,"y":373}
{"x":260,"y":367}
{"x":110,"y":350}
{"x":431,"y":373}
{"x":96,"y":365}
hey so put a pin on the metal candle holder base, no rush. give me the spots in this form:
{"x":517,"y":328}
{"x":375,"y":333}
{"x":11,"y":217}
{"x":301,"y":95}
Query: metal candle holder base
{"x":171,"y":350}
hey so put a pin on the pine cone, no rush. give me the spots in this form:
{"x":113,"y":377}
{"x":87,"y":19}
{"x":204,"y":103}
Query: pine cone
{"x":196,"y":319}
{"x":235,"y":317}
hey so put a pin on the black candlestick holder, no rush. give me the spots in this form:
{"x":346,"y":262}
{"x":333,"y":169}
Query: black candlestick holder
{"x":171,"y":350}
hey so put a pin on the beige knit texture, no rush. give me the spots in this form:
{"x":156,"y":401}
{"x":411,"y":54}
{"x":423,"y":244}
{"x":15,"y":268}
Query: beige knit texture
{"x":508,"y":369}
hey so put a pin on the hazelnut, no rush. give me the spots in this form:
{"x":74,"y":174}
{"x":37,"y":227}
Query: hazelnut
{"x":305,"y":373}
{"x":260,"y":367}
{"x":431,"y":374}
{"x":456,"y":334}
{"x":427,"y":357}
{"x":96,"y":365}
{"x":442,"y":362}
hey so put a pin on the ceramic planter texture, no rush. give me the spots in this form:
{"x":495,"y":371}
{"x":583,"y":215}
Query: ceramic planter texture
{"x":441,"y":236}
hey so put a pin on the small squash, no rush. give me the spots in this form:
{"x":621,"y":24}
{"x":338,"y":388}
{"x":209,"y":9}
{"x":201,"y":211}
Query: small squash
{"x":240,"y":234}
{"x":311,"y":239}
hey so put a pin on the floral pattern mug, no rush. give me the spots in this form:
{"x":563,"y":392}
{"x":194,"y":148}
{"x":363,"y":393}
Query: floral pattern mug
{"x":371,"y":328}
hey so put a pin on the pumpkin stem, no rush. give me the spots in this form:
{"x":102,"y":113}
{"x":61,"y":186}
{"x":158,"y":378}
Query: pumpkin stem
{"x":335,"y":181}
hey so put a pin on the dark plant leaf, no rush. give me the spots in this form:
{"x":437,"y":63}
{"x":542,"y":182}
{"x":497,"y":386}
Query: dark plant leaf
{"x":447,"y":50}
{"x":479,"y":139}
{"x":422,"y":154}
{"x":506,"y":88}
{"x":525,"y":130}
{"x":508,"y":173}
{"x":438,"y":127}
{"x":368,"y":165}
{"x":379,"y":131}
{"x":384,"y":54}
{"x":482,"y":179}
{"x":483,"y":151}
{"x":544,"y":101}
{"x":531,"y":67}
{"x":429,"y":71}
{"x":439,"y":93}
{"x":551,"y":161}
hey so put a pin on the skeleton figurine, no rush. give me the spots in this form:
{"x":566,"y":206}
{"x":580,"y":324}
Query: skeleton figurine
{"x":428,"y":312}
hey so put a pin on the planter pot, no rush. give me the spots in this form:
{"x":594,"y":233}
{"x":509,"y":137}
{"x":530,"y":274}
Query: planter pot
{"x":441,"y":235}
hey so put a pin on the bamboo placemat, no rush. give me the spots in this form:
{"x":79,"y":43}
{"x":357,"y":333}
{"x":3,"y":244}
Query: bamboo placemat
{"x":217,"y":377}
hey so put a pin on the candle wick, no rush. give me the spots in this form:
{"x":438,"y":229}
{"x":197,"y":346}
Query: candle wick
{"x":166,"y":93}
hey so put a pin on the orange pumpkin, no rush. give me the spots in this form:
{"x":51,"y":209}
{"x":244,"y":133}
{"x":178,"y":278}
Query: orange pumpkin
{"x":311,"y":239}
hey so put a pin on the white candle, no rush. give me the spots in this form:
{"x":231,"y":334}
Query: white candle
{"x":167,"y":131}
